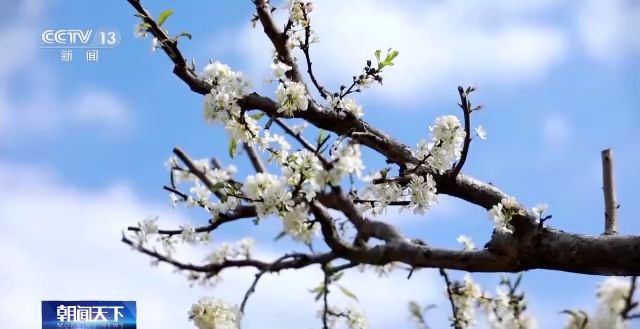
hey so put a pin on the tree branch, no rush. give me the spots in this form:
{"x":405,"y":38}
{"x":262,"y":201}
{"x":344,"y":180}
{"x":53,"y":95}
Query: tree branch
{"x":255,"y":159}
{"x":609,"y":189}
{"x":530,"y":247}
{"x":465,"y":105}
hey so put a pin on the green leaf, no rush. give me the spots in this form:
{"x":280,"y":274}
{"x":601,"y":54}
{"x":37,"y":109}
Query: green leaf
{"x":392,"y":55}
{"x":218,"y":186}
{"x":384,"y":172}
{"x":377,"y":53}
{"x":257,"y":116}
{"x":233,"y":144}
{"x":347,"y":292}
{"x":337,"y":276}
{"x":139,"y":15}
{"x":164,"y":15}
{"x":319,"y":291}
{"x":185,"y":34}
{"x":145,"y":24}
{"x":415,"y":310}
{"x":280,"y":236}
{"x":320,"y":136}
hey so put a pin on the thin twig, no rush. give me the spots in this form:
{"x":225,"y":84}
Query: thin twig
{"x":305,"y":49}
{"x":465,"y":104}
{"x":629,"y":303}
{"x":457,"y":324}
{"x":609,"y":189}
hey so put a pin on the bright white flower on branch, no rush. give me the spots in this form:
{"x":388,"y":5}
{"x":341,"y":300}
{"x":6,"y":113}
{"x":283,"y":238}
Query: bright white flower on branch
{"x":139,"y":31}
{"x":221,"y":104}
{"x":281,"y":151}
{"x":423,"y":194}
{"x":155,"y":44}
{"x":292,"y":97}
{"x":226,"y":251}
{"x":270,"y":192}
{"x":200,"y":194}
{"x":295,"y":223}
{"x":301,"y":166}
{"x":356,"y":319}
{"x":216,"y":71}
{"x":296,"y":13}
{"x":149,"y":226}
{"x":255,"y":185}
{"x":540,"y":209}
{"x":245,"y":131}
{"x":612,"y":292}
{"x":350,"y":105}
{"x":188,"y":234}
{"x":445,"y":148}
{"x":279,"y":69}
{"x":465,"y":296}
{"x":217,"y":175}
{"x":481,"y":132}
{"x":497,"y":214}
{"x":347,"y":160}
{"x":213,"y":313}
{"x":466,"y":242}
{"x":384,"y":194}
{"x":347,"y":104}
{"x":509,"y":202}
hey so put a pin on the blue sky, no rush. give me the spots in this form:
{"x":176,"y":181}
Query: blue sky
{"x":82,"y":145}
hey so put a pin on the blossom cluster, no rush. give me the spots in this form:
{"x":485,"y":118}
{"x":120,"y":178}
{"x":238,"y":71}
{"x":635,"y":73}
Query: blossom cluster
{"x":303,"y":174}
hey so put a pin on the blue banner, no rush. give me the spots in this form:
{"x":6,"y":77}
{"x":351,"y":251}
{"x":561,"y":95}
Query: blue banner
{"x":88,"y":314}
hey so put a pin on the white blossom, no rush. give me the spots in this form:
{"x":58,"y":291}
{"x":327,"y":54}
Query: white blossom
{"x":149,"y":225}
{"x":466,"y":241}
{"x":540,"y":209}
{"x":501,"y":221}
{"x":481,"y":132}
{"x":139,"y":31}
{"x":155,"y":44}
{"x":212,"y":313}
{"x":279,"y":69}
{"x":423,"y":194}
{"x":292,"y":97}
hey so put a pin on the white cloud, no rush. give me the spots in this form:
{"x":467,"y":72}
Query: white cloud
{"x":447,"y":43}
{"x":557,"y":131}
{"x":608,"y":29}
{"x":61,"y":242}
{"x":41,"y":105}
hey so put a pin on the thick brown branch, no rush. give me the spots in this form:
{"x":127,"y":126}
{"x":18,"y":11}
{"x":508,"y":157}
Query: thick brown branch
{"x":530,"y":247}
{"x":549,"y":249}
{"x":278,"y":39}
